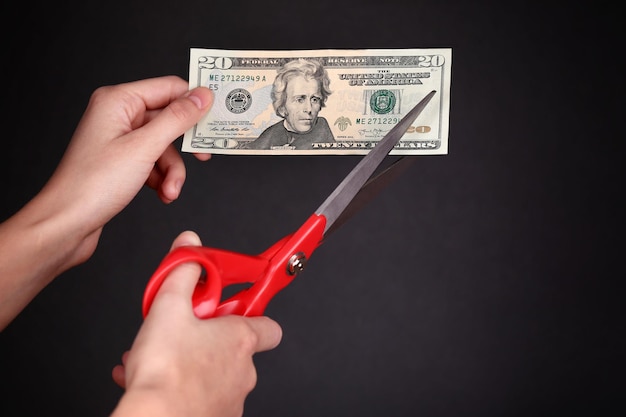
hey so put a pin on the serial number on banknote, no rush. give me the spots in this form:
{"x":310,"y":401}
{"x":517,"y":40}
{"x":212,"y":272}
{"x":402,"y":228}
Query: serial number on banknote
{"x":377,"y":121}
{"x":236,"y":77}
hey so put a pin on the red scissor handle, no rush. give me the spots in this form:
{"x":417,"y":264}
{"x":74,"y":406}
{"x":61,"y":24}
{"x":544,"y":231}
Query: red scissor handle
{"x":268,"y":273}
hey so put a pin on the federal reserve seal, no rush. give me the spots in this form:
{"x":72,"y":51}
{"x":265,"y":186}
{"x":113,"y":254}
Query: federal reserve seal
{"x":382,"y":101}
{"x":238,"y":100}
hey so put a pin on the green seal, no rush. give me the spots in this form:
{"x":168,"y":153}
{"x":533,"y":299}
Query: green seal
{"x":382,"y":101}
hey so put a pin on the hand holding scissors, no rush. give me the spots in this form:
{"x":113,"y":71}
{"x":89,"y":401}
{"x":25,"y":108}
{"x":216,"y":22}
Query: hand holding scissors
{"x":272,"y":270}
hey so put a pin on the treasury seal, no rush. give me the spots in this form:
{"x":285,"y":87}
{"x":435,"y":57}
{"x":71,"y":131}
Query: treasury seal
{"x":238,"y":100}
{"x":382,"y":101}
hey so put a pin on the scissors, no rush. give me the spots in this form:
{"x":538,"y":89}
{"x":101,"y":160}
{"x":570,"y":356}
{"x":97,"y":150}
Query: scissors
{"x":271,"y":271}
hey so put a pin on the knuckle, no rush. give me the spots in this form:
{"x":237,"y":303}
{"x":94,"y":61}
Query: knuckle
{"x":247,"y":337}
{"x":109,"y":95}
{"x":251,"y":380}
{"x":250,"y":340}
{"x":101,"y":93}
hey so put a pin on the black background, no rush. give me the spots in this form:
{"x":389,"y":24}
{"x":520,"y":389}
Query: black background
{"x":481,"y":283}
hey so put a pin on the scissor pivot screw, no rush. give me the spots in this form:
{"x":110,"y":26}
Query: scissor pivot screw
{"x":296,"y":263}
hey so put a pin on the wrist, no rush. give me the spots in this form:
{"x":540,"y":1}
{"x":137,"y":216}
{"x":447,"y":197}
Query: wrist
{"x":54,"y":225}
{"x":143,"y":403}
{"x":154,"y":402}
{"x":37,"y":244}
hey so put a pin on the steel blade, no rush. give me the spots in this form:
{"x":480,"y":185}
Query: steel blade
{"x":346,"y":191}
{"x":370,"y":190}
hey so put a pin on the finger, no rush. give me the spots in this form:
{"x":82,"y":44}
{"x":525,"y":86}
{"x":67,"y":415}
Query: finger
{"x":158,"y":92}
{"x":119,"y":371}
{"x":119,"y":375}
{"x":186,"y":238}
{"x":202,"y":156}
{"x":268,"y":331}
{"x":181,"y":282}
{"x":172,"y":168}
{"x":155,"y":179}
{"x":113,"y":109}
{"x":179,"y":116}
{"x":175,"y":293}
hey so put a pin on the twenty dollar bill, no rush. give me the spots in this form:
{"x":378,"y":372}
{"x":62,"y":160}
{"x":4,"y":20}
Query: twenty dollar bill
{"x":319,"y":102}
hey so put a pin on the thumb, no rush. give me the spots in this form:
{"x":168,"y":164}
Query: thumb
{"x":181,"y":282}
{"x":186,"y":238}
{"x":179,"y":116}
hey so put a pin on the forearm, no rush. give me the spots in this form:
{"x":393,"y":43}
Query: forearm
{"x":36,"y":245}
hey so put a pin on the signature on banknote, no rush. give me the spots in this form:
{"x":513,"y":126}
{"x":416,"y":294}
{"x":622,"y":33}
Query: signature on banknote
{"x":372,"y":133}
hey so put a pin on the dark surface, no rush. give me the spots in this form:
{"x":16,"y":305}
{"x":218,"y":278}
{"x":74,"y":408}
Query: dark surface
{"x":481,"y":283}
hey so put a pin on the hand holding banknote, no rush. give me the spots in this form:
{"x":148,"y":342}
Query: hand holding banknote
{"x":319,"y":102}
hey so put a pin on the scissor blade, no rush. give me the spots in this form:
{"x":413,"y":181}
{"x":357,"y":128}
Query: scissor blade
{"x":345,"y":192}
{"x":370,"y":190}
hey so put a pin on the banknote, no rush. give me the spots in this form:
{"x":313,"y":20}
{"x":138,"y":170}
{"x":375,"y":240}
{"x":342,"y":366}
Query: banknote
{"x":319,"y":102}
